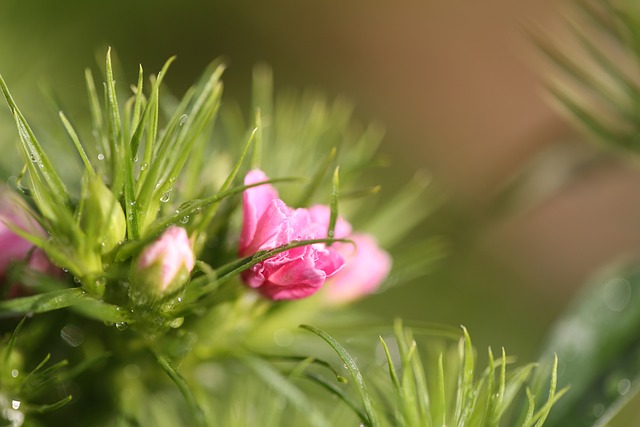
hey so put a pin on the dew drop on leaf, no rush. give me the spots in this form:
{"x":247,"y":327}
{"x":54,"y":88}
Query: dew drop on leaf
{"x":624,"y":385}
{"x":176,"y":323}
{"x":165,"y":197}
{"x":131,"y":371}
{"x":121,"y":326}
{"x":598,"y":410}
{"x":100,"y":156}
{"x":617,"y":294}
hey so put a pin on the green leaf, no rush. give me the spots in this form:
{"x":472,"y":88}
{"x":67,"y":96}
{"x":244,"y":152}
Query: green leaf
{"x":176,"y":377}
{"x":37,"y":160}
{"x":335,"y":390}
{"x":42,"y":409}
{"x":333,"y":217}
{"x":12,"y":342}
{"x":367,"y":398}
{"x":598,"y":351}
{"x":116,"y":142}
{"x":76,"y":142}
{"x":464,"y":396}
{"x":392,"y":370}
{"x":56,"y":300}
{"x":286,"y":388}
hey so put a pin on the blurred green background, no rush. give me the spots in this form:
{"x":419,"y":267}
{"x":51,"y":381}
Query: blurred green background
{"x":531,"y":210}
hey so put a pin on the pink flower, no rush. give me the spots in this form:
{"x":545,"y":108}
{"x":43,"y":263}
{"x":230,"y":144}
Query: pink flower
{"x":366,"y":266}
{"x":165,"y":265}
{"x":38,"y":262}
{"x":13,"y":247}
{"x":269,"y":223}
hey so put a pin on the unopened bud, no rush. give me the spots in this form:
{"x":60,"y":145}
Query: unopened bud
{"x":163,"y":267}
{"x":102,"y":214}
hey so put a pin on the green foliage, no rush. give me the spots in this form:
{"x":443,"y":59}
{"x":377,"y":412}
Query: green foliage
{"x":444,"y":389}
{"x":597,"y":346}
{"x":594,"y":77}
{"x":150,"y":162}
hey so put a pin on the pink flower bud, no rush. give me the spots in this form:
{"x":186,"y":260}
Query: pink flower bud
{"x":38,"y":262}
{"x":165,"y":265}
{"x":13,"y":247}
{"x":366,"y":266}
{"x":269,"y":223}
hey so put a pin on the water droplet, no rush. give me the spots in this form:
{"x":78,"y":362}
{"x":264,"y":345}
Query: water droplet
{"x":15,"y":373}
{"x":143,"y":166}
{"x":105,"y":267}
{"x":598,"y":410}
{"x":132,"y":203}
{"x":179,"y":299}
{"x":76,"y":279}
{"x":135,"y":159}
{"x":121,"y":326}
{"x":184,"y":219}
{"x":33,"y":158}
{"x":183,"y":119}
{"x":100,"y":156}
{"x":177,"y":322}
{"x":131,"y":371}
{"x":283,"y":337}
{"x":624,"y":385}
{"x":165,"y":197}
{"x":15,"y":404}
{"x":617,"y":294}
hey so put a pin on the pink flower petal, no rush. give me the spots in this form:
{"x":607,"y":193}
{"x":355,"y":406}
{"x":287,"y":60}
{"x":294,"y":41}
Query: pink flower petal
{"x":269,"y":223}
{"x":366,"y":267}
{"x":255,"y":202}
